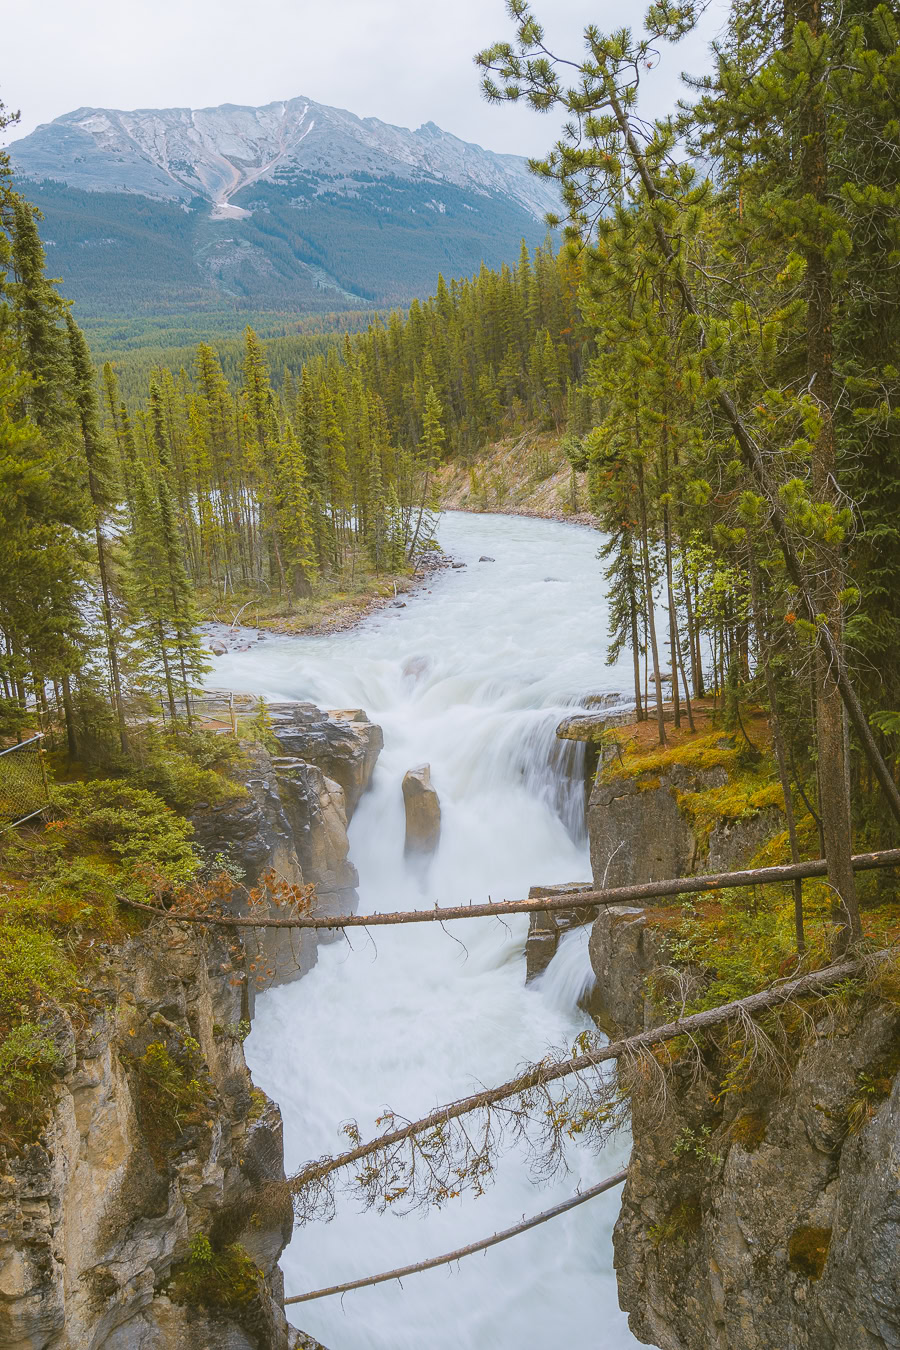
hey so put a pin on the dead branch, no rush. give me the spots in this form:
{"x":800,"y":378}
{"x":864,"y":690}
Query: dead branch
{"x":618,"y":895}
{"x":578,"y":1199}
{"x":521,"y":1106}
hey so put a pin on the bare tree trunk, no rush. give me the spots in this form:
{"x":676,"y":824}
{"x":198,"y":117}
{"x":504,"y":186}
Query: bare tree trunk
{"x":765,"y":656}
{"x":834,"y":798}
{"x":636,"y":656}
{"x":71,"y":734}
{"x":651,"y":620}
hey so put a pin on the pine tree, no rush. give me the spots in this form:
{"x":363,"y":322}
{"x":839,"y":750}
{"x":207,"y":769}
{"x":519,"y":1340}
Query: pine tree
{"x":102,"y":490}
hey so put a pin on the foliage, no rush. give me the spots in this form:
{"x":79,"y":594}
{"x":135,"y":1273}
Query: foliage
{"x":34,"y":969}
{"x":173,"y":1092}
{"x":216,"y":1278}
{"x":133,"y":824}
{"x":29,"y":1059}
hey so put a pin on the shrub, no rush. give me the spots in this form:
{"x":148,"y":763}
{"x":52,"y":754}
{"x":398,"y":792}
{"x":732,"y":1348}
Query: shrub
{"x":33,"y":968}
{"x":133,"y":824}
{"x":28,"y":1060}
{"x":218,"y":1279}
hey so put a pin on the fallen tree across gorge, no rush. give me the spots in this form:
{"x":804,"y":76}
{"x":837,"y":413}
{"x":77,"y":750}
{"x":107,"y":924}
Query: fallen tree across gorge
{"x":482,"y":1245}
{"x":619,"y":895}
{"x":429,"y":1160}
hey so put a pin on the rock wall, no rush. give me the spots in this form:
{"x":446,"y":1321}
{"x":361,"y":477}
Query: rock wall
{"x":293,"y":820}
{"x":156,"y":1138}
{"x":97,"y":1216}
{"x":762,"y":1220}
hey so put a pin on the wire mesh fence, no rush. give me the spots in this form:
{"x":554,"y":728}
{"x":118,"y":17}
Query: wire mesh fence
{"x":23,"y":782}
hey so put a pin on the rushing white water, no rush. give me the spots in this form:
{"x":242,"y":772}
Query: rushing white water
{"x":471,"y":678}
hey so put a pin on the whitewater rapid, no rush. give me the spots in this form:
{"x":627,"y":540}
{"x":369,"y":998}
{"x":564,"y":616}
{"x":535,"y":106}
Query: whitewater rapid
{"x":472,"y":676}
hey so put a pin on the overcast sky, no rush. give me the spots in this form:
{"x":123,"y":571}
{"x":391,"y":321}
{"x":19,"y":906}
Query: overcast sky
{"x":404,"y":61}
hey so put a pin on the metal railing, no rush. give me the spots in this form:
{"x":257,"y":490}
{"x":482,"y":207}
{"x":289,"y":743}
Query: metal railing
{"x":24,"y":792}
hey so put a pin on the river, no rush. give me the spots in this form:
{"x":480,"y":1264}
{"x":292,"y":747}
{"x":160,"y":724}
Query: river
{"x":471,"y":676}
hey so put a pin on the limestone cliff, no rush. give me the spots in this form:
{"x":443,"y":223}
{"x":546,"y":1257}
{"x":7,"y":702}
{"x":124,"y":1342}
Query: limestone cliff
{"x":762,"y":1206}
{"x":97,"y":1217}
{"x":147,"y":1214}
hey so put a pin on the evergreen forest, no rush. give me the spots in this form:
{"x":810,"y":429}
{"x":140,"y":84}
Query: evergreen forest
{"x":706,"y":345}
{"x":714,"y":346}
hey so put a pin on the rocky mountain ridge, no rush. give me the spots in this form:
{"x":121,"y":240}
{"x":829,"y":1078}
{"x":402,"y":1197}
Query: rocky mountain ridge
{"x":178,"y":154}
{"x":294,"y":207}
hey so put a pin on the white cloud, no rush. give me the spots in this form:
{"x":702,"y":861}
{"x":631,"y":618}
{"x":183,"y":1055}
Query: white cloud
{"x":404,"y":61}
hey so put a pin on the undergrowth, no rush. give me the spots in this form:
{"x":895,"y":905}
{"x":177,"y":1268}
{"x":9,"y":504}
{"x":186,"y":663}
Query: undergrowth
{"x":223,"y":1278}
{"x":58,"y":887}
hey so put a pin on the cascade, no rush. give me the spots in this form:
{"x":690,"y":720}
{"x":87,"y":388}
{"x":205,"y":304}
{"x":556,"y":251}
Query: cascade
{"x":471,"y":678}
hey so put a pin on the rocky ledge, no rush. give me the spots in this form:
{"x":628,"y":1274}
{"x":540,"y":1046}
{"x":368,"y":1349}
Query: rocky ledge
{"x":761,"y":1211}
{"x":764,"y":1218}
{"x":150,"y":1213}
{"x":157,"y":1140}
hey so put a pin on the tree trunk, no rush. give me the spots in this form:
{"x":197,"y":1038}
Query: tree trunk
{"x":111,"y":639}
{"x":651,"y":620}
{"x":765,"y":656}
{"x":71,"y":734}
{"x":833,"y":778}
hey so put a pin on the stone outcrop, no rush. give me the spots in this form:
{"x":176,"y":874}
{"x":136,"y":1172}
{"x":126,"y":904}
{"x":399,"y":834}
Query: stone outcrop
{"x":547,"y":926}
{"x":292,"y":820}
{"x":156,"y":1137}
{"x":98,"y":1216}
{"x":748,"y":1216}
{"x":639,"y":830}
{"x":344,"y":744}
{"x":423,"y":811}
{"x":747,"y":1220}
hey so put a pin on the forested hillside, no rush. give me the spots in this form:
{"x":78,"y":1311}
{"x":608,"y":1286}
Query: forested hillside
{"x":743,"y":448}
{"x":713,"y":352}
{"x":277,"y":476}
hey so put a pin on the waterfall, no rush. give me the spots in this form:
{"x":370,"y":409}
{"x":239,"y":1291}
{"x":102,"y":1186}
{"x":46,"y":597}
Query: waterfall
{"x":472,"y":677}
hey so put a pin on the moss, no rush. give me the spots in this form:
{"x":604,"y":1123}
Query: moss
{"x":749,"y":1130}
{"x":173,"y":1088}
{"x":682,"y":1222}
{"x":227,"y":1278}
{"x":701,"y":753}
{"x":741,"y":798}
{"x":808,"y":1251}
{"x":751,"y":785}
{"x":875,"y":1083}
{"x":258,"y":1103}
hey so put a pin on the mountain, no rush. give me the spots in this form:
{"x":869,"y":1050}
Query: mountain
{"x":293,"y":206}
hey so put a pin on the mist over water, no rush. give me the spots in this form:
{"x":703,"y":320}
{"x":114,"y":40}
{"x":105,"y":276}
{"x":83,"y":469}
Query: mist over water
{"x":472,"y":679}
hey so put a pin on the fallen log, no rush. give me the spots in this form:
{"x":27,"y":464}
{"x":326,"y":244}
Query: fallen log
{"x":541,"y":1073}
{"x":618,"y":895}
{"x":578,"y":1199}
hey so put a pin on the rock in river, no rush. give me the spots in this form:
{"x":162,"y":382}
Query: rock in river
{"x":423,"y":811}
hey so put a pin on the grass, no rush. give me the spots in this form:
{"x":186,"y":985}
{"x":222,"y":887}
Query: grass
{"x":58,"y":885}
{"x":337,"y":602}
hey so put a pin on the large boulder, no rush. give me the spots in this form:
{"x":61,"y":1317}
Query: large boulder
{"x":423,"y":811}
{"x":290,"y":820}
{"x":343,"y":743}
